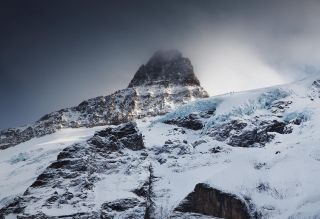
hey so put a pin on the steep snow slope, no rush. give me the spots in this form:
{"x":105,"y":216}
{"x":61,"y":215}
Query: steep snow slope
{"x":20,"y":165}
{"x":259,"y":147}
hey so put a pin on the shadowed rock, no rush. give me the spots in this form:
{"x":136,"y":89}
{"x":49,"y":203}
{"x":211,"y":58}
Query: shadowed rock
{"x":237,"y":133}
{"x":164,"y":68}
{"x":213,"y":202}
{"x":190,"y":122}
{"x":123,"y":136}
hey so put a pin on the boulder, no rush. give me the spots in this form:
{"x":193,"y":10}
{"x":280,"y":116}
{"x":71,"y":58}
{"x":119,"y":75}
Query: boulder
{"x":213,"y":202}
{"x":191,"y":121}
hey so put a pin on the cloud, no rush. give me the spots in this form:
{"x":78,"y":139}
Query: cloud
{"x":253,"y":44}
{"x":224,"y":64}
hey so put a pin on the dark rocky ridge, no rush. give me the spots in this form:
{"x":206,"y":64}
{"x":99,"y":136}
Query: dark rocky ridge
{"x":210,"y":201}
{"x":190,"y":122}
{"x":171,"y":82}
{"x":236,"y":133}
{"x":164,"y":68}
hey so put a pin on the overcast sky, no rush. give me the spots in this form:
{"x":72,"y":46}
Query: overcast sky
{"x":54,"y":54}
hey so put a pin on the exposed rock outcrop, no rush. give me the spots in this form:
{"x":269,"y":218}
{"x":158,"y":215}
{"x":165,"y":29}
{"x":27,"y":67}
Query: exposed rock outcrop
{"x":213,"y":202}
{"x":165,"y":68}
{"x":190,"y":122}
{"x":241,"y":134}
{"x":124,"y":136}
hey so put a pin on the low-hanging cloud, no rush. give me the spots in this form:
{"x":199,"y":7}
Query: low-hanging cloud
{"x":258,"y":44}
{"x":225,"y":66}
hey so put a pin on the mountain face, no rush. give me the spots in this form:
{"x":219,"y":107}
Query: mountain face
{"x":166,"y":81}
{"x":252,"y":154}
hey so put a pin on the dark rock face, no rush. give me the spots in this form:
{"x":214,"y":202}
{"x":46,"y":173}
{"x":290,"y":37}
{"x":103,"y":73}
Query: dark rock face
{"x":190,"y":122}
{"x":216,"y":150}
{"x":260,"y":135}
{"x":171,"y":148}
{"x":209,"y":201}
{"x":124,"y":136}
{"x":222,"y":132}
{"x":236,"y":133}
{"x":166,"y":67}
{"x":251,"y":138}
{"x":120,"y":206}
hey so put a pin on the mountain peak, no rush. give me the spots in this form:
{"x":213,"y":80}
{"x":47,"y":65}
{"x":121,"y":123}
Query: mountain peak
{"x":165,"y":67}
{"x":163,"y":56}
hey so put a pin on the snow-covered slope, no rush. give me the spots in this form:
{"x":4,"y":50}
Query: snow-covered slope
{"x":20,"y":165}
{"x":253,"y":154}
{"x":276,"y":167}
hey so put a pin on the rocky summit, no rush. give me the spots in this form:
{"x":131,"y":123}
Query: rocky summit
{"x":160,"y":149}
{"x":166,"y":68}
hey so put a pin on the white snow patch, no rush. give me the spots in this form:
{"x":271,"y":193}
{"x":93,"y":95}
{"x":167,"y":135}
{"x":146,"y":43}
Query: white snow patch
{"x":20,"y":165}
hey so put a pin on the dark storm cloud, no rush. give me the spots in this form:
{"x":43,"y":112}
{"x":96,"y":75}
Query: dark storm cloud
{"x":54,"y":54}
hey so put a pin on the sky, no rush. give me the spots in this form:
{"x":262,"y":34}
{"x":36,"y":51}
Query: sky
{"x":54,"y":54}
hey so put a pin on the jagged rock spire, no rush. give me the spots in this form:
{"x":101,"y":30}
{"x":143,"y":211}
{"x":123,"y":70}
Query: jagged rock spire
{"x":165,"y":67}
